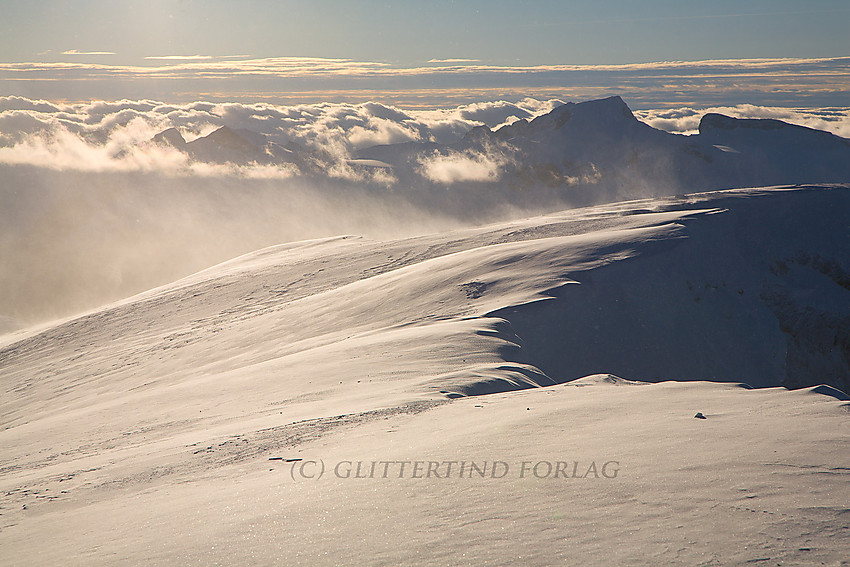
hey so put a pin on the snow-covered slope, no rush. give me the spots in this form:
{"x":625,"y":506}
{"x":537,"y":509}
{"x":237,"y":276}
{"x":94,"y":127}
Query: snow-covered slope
{"x":767,"y":151}
{"x":145,"y":428}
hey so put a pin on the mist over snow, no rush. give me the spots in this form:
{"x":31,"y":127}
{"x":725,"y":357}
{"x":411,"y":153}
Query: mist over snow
{"x":105,"y":199}
{"x":92,"y":209}
{"x":484,"y":165}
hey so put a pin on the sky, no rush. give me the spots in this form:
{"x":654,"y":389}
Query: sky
{"x":426,"y":53}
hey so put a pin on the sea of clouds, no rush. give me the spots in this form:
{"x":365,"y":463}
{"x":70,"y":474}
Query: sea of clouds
{"x":113,"y":136}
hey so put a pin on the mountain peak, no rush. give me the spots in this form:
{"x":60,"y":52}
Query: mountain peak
{"x":611,"y":102}
{"x":225,"y":145}
{"x":227,"y":136}
{"x":714,"y":125}
{"x":478,"y":133}
{"x":606,"y":111}
{"x":609,"y":108}
{"x":714,"y":121}
{"x":170,"y":137}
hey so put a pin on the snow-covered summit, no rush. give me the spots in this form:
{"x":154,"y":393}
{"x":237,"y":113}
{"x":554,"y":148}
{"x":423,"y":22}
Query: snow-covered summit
{"x":608,"y":115}
{"x":598,"y":151}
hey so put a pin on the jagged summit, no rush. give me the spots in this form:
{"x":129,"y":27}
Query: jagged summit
{"x":598,"y":150}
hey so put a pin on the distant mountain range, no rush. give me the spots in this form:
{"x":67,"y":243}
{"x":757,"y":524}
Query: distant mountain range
{"x":591,"y":152}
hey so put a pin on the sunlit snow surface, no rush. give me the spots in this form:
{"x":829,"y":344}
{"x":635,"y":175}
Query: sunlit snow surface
{"x":160,"y":429}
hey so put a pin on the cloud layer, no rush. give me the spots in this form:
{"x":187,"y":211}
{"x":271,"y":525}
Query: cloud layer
{"x":75,"y":52}
{"x":113,"y":136}
{"x":768,"y":82}
{"x":461,"y":167}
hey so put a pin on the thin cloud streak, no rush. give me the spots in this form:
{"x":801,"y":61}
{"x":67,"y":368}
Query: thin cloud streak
{"x":317,"y":66}
{"x":193,"y":57}
{"x":180,"y":57}
{"x":453,"y":61}
{"x":75,"y":52}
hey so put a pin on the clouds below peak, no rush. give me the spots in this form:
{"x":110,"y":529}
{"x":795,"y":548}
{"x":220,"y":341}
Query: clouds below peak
{"x":464,"y":166}
{"x":89,"y":202}
{"x":114,"y":135}
{"x":685,"y":120}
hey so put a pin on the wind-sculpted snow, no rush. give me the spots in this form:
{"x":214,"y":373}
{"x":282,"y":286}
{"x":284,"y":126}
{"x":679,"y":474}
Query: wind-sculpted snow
{"x":697,"y":288}
{"x":573,"y":349}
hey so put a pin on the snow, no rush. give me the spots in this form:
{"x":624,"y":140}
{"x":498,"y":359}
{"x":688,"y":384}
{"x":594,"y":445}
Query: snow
{"x":162,"y":428}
